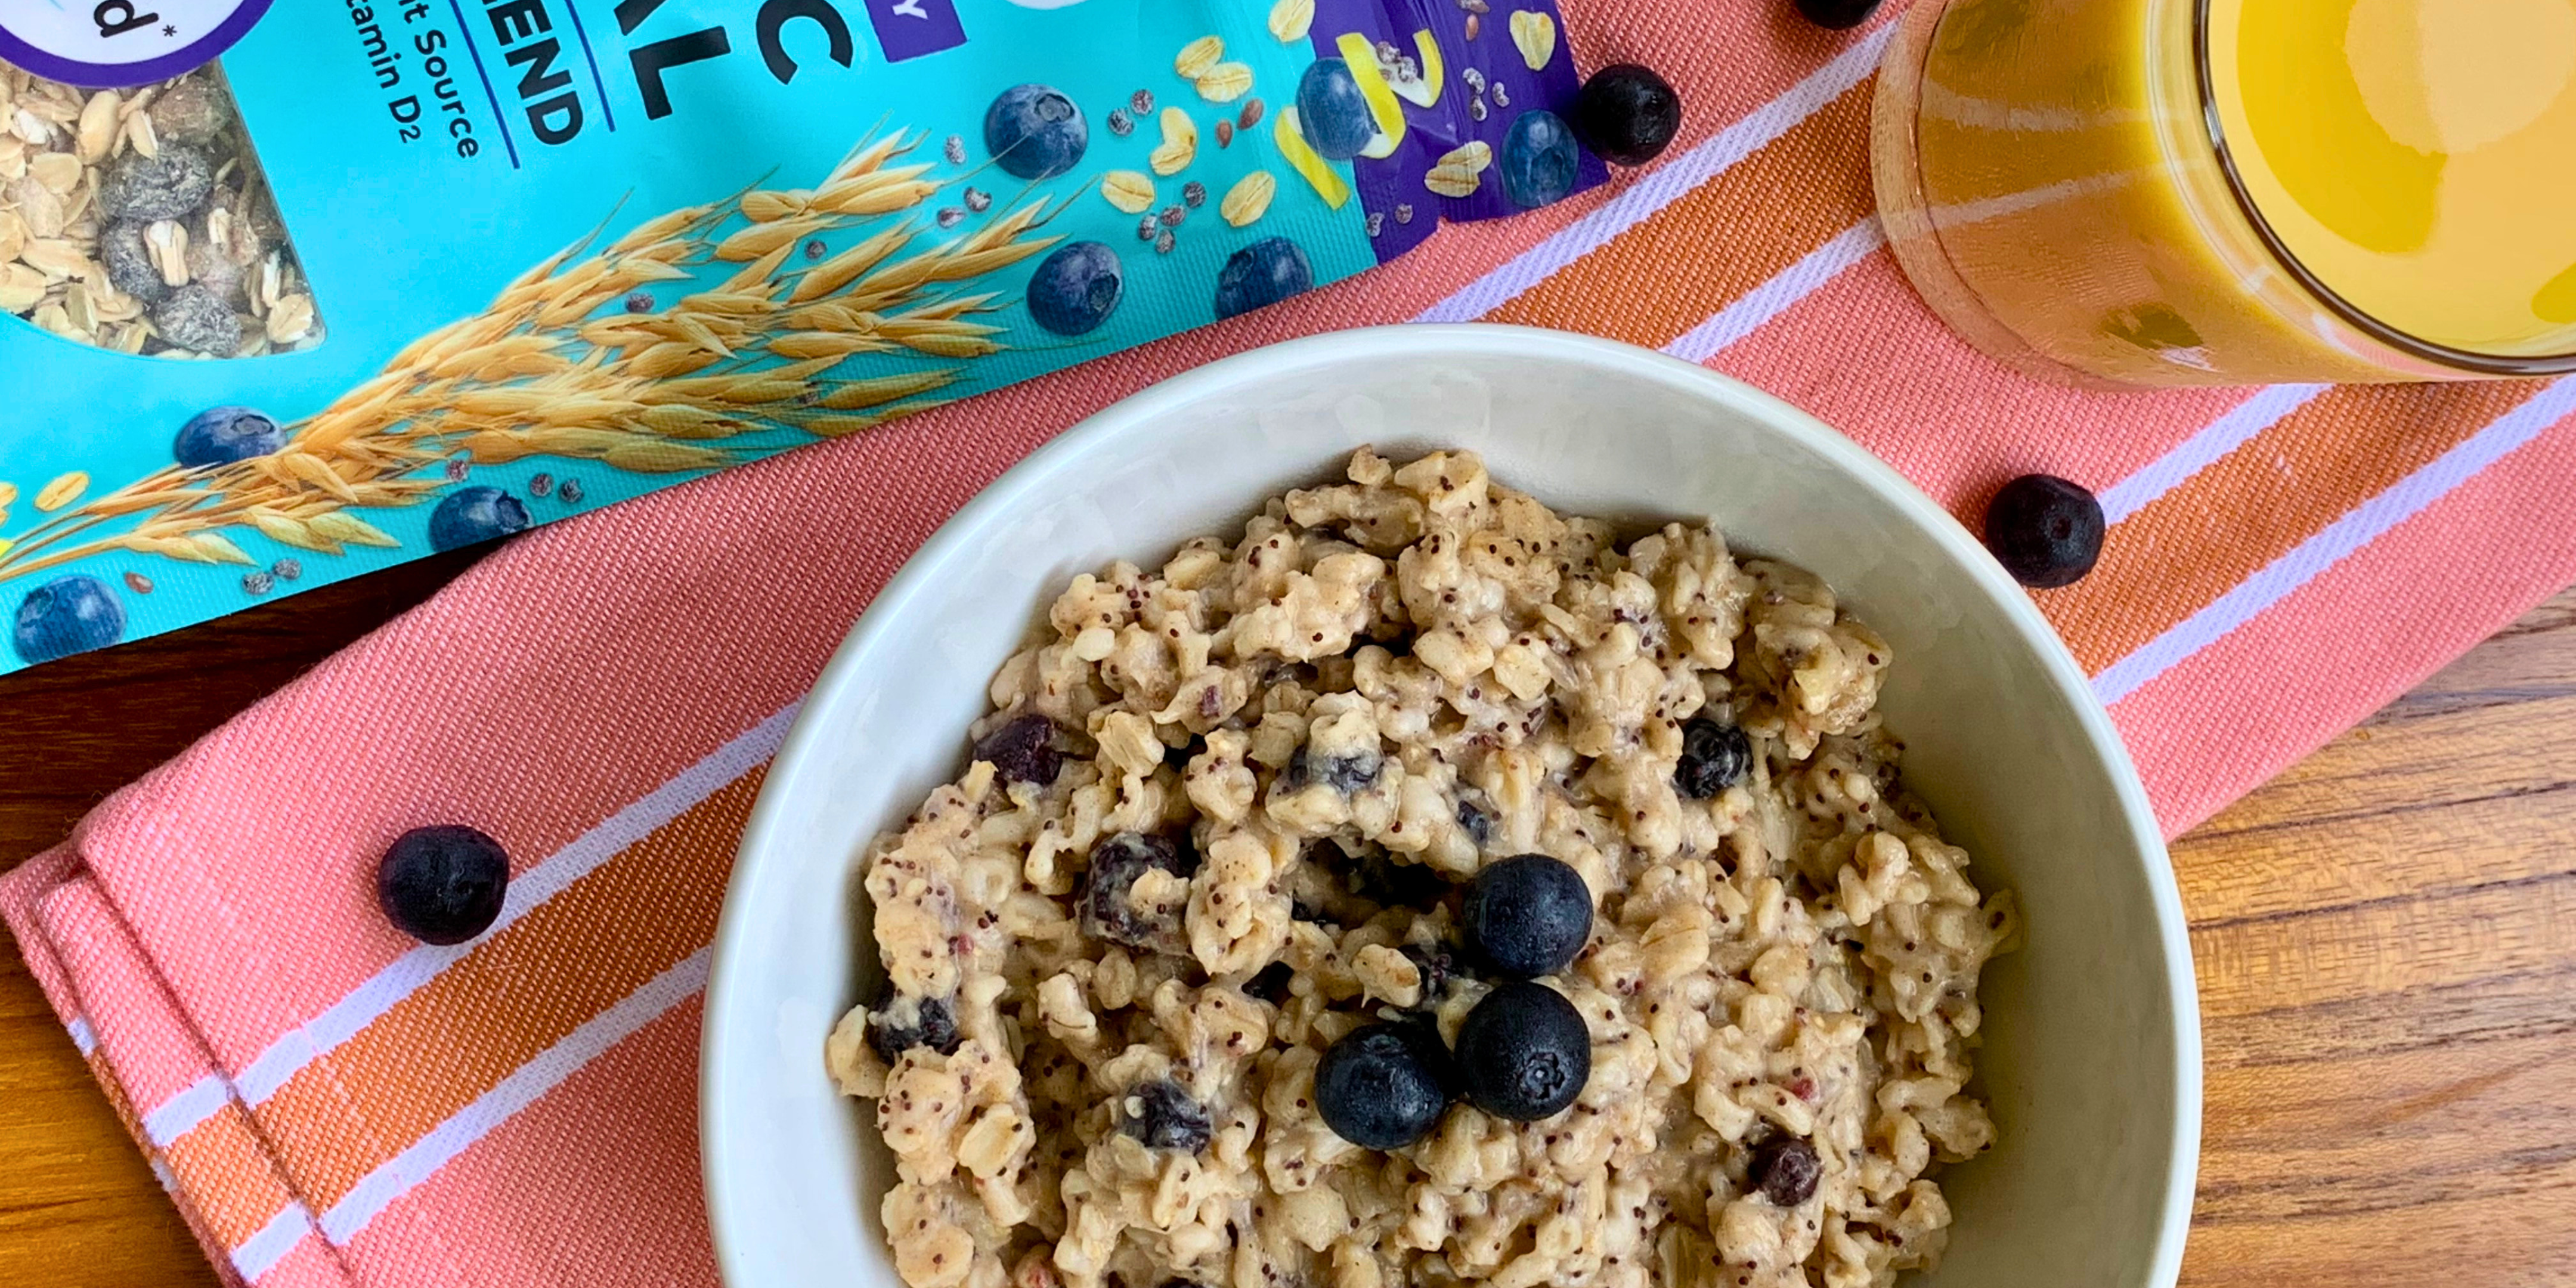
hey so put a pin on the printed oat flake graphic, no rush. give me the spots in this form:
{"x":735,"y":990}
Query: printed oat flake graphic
{"x":120,"y":43}
{"x":572,"y":251}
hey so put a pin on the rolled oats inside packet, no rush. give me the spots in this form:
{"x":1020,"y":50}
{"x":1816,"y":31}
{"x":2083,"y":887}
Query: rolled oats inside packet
{"x":135,"y":220}
{"x":571,"y":251}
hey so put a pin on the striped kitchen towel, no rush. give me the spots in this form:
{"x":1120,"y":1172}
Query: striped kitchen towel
{"x":334,"y":1104}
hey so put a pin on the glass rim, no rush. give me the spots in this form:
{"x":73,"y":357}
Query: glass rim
{"x":2352,"y":314}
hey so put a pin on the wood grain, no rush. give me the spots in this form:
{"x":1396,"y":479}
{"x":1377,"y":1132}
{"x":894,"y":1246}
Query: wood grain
{"x":2386,"y":938}
{"x":77,"y":1205}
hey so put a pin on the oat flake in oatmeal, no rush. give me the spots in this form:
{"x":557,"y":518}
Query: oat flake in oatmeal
{"x":1268,"y":768}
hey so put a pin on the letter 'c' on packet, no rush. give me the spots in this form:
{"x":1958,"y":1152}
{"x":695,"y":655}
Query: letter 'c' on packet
{"x":397,"y":276}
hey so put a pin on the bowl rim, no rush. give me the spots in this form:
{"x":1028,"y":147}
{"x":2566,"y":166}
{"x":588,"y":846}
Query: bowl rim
{"x":1033,"y":472}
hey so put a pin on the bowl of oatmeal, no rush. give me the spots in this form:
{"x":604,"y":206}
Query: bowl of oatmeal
{"x":1442,"y":806}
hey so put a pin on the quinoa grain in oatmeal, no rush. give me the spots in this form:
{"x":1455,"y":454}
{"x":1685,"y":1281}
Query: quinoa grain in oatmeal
{"x":1574,"y":876}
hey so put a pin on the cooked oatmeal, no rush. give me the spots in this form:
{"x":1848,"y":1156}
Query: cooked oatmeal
{"x":1221,"y":817}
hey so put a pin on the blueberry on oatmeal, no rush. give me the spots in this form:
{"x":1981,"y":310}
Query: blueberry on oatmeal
{"x":1785,"y":1170}
{"x":1256,"y":924}
{"x":1476,"y":821}
{"x":1715,"y":756}
{"x":1022,"y":749}
{"x":1524,"y":1052}
{"x":1163,"y":1114}
{"x":1133,"y":891}
{"x":1380,"y":1087}
{"x":1344,"y":772}
{"x":1527,"y":916}
{"x":1384,"y":879}
{"x":1271,"y":984}
{"x":904,"y":1023}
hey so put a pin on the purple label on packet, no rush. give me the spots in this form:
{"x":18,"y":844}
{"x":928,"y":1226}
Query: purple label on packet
{"x":912,"y":28}
{"x":120,"y":43}
{"x":1484,"y":86}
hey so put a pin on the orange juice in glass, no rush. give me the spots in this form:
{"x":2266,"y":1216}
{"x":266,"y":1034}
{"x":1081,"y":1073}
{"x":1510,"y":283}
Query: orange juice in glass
{"x":2171,"y":192}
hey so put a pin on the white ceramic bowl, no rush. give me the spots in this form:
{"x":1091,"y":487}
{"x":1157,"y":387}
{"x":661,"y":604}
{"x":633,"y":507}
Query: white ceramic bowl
{"x":2092,"y":1054}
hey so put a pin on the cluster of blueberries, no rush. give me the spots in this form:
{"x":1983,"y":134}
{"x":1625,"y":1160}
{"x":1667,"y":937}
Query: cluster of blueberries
{"x":1523,"y":1051}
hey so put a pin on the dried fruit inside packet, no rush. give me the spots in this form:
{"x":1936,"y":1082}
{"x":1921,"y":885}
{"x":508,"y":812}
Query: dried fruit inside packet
{"x":571,"y":251}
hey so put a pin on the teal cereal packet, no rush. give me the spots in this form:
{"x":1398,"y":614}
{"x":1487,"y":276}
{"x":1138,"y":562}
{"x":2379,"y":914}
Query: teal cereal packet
{"x":402,"y":276}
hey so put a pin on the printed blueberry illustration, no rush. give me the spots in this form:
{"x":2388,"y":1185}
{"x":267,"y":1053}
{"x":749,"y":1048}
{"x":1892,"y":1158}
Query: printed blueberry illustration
{"x":1538,"y":160}
{"x":1035,"y":132}
{"x":1075,"y":288}
{"x":473,"y":514}
{"x":223,"y":435}
{"x":65,"y":616}
{"x":1265,"y":272}
{"x":1333,"y":112}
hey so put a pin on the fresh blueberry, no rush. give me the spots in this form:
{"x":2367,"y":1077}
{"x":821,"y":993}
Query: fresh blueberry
{"x":1381,"y":1086}
{"x":1539,"y":159}
{"x":1714,"y":757}
{"x":443,"y":885}
{"x":1265,"y":272}
{"x":1527,"y":916}
{"x":1075,"y":287}
{"x":1333,"y":113}
{"x":1165,"y":1116}
{"x":1524,"y":1052}
{"x":1116,"y":864}
{"x":1837,"y":15}
{"x":1022,"y":749}
{"x":907,"y":1022}
{"x":1626,"y":113}
{"x":1035,"y":132}
{"x":67,"y":615}
{"x":472,"y":514}
{"x":2044,"y":530}
{"x":223,"y":435}
{"x":1785,"y":1169}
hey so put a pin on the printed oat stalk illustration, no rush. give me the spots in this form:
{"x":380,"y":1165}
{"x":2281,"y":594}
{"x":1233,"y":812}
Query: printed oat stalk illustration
{"x":543,"y":371}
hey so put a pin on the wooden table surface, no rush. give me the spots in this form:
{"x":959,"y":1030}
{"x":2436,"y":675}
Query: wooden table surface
{"x":2386,"y":938}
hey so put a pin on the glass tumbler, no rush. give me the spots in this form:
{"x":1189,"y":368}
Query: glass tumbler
{"x":2170,"y":192}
